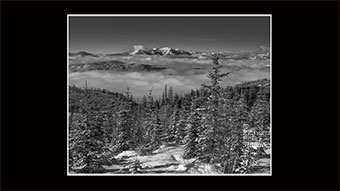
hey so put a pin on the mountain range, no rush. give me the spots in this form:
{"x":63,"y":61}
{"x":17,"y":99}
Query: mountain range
{"x":139,"y":49}
{"x":261,"y":53}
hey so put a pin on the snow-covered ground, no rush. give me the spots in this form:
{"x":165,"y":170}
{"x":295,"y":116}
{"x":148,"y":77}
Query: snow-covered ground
{"x":169,"y":160}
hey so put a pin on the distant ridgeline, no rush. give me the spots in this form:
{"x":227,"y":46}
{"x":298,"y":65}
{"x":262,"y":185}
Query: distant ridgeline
{"x":261,"y":53}
{"x":113,"y":65}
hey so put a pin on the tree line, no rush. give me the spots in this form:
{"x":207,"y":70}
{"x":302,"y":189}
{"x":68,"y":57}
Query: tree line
{"x":216,"y":125}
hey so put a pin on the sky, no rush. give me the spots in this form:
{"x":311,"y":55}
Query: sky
{"x":118,"y":34}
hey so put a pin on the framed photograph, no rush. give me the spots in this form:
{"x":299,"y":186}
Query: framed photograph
{"x":169,"y":94}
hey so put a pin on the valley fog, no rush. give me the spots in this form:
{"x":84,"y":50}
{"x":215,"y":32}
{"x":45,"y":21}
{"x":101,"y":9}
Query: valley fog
{"x":141,"y":82}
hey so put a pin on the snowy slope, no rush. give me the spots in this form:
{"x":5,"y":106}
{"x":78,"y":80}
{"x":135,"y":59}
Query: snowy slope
{"x":169,"y":160}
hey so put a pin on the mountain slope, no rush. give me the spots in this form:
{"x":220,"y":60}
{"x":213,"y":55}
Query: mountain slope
{"x":113,"y":65}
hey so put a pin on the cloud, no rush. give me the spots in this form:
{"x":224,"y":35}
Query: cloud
{"x":139,"y":82}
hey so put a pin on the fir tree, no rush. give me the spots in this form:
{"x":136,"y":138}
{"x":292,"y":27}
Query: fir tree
{"x":232,"y":147}
{"x":170,"y":96}
{"x":87,"y":143}
{"x":260,"y":119}
{"x":149,"y":120}
{"x":156,"y":131}
{"x":166,"y":95}
{"x":173,"y":129}
{"x":193,"y":127}
{"x":209,"y":139}
{"x":124,"y":130}
{"x":138,"y":130}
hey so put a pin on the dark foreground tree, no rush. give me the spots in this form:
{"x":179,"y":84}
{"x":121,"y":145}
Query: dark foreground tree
{"x":87,"y":144}
{"x":124,"y":134}
{"x":193,"y":127}
{"x":212,"y":117}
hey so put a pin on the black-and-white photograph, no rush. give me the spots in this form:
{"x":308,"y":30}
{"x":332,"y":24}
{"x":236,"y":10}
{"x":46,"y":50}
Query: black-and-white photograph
{"x":169,"y":95}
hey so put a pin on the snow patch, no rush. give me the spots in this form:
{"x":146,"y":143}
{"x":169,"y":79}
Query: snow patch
{"x":165,"y":50}
{"x":169,"y":159}
{"x":126,"y":154}
{"x":267,"y":151}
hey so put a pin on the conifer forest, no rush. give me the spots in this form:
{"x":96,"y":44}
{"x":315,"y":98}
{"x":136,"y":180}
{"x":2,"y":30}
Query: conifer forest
{"x":214,"y":129}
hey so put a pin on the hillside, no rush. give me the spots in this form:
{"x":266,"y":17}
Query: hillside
{"x":99,"y":99}
{"x":113,"y":65}
{"x":151,"y":135}
{"x":82,"y":54}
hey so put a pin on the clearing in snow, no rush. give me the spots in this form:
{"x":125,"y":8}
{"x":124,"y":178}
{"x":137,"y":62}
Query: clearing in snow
{"x":169,"y":160}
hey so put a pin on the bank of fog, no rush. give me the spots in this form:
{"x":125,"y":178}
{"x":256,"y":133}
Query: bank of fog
{"x":141,"y":82}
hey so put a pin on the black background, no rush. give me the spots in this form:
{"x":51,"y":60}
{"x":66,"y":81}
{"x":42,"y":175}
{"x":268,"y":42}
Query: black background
{"x":305,"y":96}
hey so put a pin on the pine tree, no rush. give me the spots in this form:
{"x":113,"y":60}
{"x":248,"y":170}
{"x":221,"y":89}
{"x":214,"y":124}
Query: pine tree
{"x":184,"y":112}
{"x":233,"y":148}
{"x":173,"y":129}
{"x":149,"y":120}
{"x":193,"y":127}
{"x":128,"y":94}
{"x":176,"y":98}
{"x":124,"y":130}
{"x":87,"y":143}
{"x":156,"y":131}
{"x":170,"y":95}
{"x":260,"y":119}
{"x":144,"y":101}
{"x":209,"y":137}
{"x":163,"y":99}
{"x":166,"y":95}
{"x":138,"y":129}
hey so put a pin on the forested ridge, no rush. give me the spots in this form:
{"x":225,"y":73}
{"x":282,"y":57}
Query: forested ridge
{"x":216,"y":125}
{"x":113,"y":65}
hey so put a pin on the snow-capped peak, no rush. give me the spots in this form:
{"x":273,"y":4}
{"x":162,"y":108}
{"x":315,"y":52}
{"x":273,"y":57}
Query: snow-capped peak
{"x":165,"y":50}
{"x":140,"y":49}
{"x":137,"y":48}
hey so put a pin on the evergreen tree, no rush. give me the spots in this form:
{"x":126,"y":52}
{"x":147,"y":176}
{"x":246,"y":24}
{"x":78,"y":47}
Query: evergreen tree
{"x":163,"y":99}
{"x":170,"y":96}
{"x":128,"y":94}
{"x":209,"y":137}
{"x":232,"y":148}
{"x":173,"y":129}
{"x":144,"y":101}
{"x":124,"y":130}
{"x":149,"y":120}
{"x":166,"y":95}
{"x":260,"y":119}
{"x":193,"y":127}
{"x":87,"y":143}
{"x":176,"y":99}
{"x":156,"y":131}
